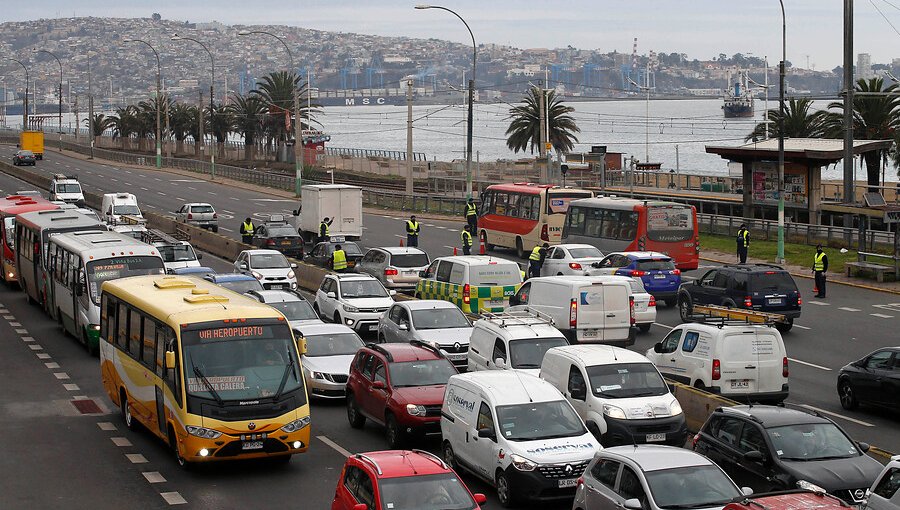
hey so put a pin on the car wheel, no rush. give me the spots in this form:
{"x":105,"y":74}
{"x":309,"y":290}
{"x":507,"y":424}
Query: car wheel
{"x":125,"y":409}
{"x":504,"y":491}
{"x":216,"y":230}
{"x":699,"y":385}
{"x":848,"y":397}
{"x":393,"y":432}
{"x":520,"y":248}
{"x":449,"y":456}
{"x":356,"y":419}
{"x":337,"y":318}
{"x":644,"y":327}
{"x":685,"y":308}
{"x":784,"y":327}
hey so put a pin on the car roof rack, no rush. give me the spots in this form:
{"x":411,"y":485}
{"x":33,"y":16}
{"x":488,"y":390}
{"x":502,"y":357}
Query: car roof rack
{"x":64,"y":176}
{"x":154,"y":235}
{"x":428,"y":346}
{"x":129,"y":219}
{"x":800,"y":407}
{"x":526,"y":317}
{"x":370,"y":460}
{"x":754,"y":499}
{"x":740,"y":412}
{"x":726,"y":316}
{"x":437,"y":460}
{"x":381,"y":350}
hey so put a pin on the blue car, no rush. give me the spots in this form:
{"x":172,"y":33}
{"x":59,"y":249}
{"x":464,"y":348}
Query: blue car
{"x":656,"y":270}
{"x":237,"y":282}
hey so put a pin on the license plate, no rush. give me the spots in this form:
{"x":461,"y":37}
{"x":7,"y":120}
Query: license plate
{"x":457,"y":357}
{"x":773,"y":301}
{"x":495,"y":303}
{"x":589,"y":333}
{"x":252,"y":445}
{"x":655,"y":438}
{"x":659,"y":277}
{"x":275,"y":287}
{"x":568,"y":482}
{"x":740,"y":384}
{"x":372,"y":327}
{"x":285,"y":243}
{"x":410,"y":273}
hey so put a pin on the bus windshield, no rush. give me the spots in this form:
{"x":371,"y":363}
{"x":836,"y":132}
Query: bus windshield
{"x":99,"y":271}
{"x":670,"y":224}
{"x":559,"y":201}
{"x":240,"y":362}
{"x":127,"y":209}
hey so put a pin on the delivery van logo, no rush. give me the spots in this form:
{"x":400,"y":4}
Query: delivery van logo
{"x":590,"y":298}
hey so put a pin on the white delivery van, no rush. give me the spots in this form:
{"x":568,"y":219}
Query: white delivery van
{"x":512,"y":341}
{"x":67,"y":189}
{"x":341,"y":203}
{"x":585,"y":308}
{"x":115,"y":205}
{"x":747,"y":363}
{"x":516,"y":432}
{"x":618,"y":393}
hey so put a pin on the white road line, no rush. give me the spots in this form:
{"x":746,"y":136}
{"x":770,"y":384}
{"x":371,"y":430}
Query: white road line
{"x":226,"y":211}
{"x":801,"y":327}
{"x":121,"y":441}
{"x":9,"y":317}
{"x":71,"y":387}
{"x":338,"y":448}
{"x":15,"y":324}
{"x":61,"y":375}
{"x":136,"y":458}
{"x":28,"y":339}
{"x":662,"y":325}
{"x":820,"y":367}
{"x":192,"y":188}
{"x":42,"y":355}
{"x":212,"y":193}
{"x":35,"y":347}
{"x":173,"y":498}
{"x":883,"y":316}
{"x":21,"y":331}
{"x":105,"y":425}
{"x":52,"y":364}
{"x":153,"y":477}
{"x":80,"y":397}
{"x":226,"y":229}
{"x":836,"y":415}
{"x":820,"y":303}
{"x":180,"y":199}
{"x":160,"y":193}
{"x":848,"y":309}
{"x":145,"y":189}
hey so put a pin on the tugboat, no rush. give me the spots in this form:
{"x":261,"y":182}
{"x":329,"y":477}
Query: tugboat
{"x":739,"y":102}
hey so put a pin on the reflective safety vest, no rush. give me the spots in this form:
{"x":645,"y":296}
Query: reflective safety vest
{"x":745,"y":237}
{"x":412,"y":227}
{"x":535,"y":254}
{"x":323,"y":229}
{"x":340,"y":260}
{"x":248,"y":228}
{"x":819,"y":261}
{"x":466,"y":238}
{"x":471,"y":210}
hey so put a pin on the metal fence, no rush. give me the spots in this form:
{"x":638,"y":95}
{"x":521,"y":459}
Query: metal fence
{"x":376,"y":153}
{"x":795,"y":232}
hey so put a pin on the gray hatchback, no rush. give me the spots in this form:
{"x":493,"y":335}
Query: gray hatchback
{"x":395,"y":267}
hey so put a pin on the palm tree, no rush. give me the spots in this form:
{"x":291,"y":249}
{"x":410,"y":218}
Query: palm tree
{"x":524,"y":130}
{"x":276,"y":91}
{"x":219,"y":123}
{"x":248,"y":112}
{"x":875,"y":117}
{"x":181,"y":118}
{"x":100,"y":124}
{"x":799,"y":122}
{"x":124,"y":123}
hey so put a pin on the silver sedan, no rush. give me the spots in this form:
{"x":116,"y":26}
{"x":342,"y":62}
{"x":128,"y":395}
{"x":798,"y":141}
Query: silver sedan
{"x":570,"y":259}
{"x":396,"y":267}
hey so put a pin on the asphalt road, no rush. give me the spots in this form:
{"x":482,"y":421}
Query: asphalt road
{"x":49,"y":439}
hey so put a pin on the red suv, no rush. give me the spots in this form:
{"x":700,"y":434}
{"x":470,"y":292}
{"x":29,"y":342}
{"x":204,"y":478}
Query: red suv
{"x":399,"y":480}
{"x":400,"y":386}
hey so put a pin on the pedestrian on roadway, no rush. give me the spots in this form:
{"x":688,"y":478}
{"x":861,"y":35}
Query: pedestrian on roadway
{"x":247,"y":231}
{"x":323,"y":229}
{"x":412,"y":232}
{"x":471,"y":212}
{"x":338,"y":260}
{"x":536,"y":260}
{"x":820,"y":266}
{"x":743,"y":243}
{"x":466,"y":236}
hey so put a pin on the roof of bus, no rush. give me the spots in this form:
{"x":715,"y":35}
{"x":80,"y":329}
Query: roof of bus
{"x":18,"y":204}
{"x":622,"y":202}
{"x":56,"y":217}
{"x":180,"y":300}
{"x":98,"y":243}
{"x":531,"y":187}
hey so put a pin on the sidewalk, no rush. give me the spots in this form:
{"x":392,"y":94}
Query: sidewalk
{"x":806,"y":272}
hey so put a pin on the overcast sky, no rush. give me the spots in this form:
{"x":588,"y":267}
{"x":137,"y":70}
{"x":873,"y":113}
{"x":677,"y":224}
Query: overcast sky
{"x":700,"y":28}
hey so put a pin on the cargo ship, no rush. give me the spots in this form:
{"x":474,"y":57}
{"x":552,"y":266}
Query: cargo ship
{"x":738,"y":101}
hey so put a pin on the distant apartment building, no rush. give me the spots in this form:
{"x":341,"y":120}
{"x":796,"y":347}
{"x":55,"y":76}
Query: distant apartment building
{"x":864,"y":66}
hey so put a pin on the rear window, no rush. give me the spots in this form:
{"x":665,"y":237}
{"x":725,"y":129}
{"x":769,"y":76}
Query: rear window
{"x":656,"y":265}
{"x":743,"y":347}
{"x":637,"y":286}
{"x":282,"y":232}
{"x":777,"y":281}
{"x":495,"y":275}
{"x":201,"y":209}
{"x":583,"y":253}
{"x":670,"y":223}
{"x":409,"y":260}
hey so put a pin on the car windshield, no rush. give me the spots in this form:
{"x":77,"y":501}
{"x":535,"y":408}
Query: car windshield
{"x":68,"y":188}
{"x":202,"y":209}
{"x":177,"y":252}
{"x":295,"y":310}
{"x":528,"y":353}
{"x":691,"y":487}
{"x":409,"y":260}
{"x":656,"y":265}
{"x":242,"y":286}
{"x":268,"y":261}
{"x":427,"y":492}
{"x":362,"y":289}
{"x":129,"y":209}
{"x":99,"y":271}
{"x":774,"y":281}
{"x":421,"y":372}
{"x":243,"y":362}
{"x":9,"y":227}
{"x":811,"y":441}
{"x":539,"y":420}
{"x":282,"y":232}
{"x":626,"y":380}
{"x":332,"y":344}
{"x":440,"y":318}
{"x":584,"y":253}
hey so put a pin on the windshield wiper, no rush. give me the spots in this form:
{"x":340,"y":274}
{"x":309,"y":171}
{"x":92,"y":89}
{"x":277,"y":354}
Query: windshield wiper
{"x":696,"y":505}
{"x":212,"y":391}
{"x":527,"y":365}
{"x":287,"y":370}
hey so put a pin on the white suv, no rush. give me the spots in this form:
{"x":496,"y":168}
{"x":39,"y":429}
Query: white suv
{"x":66,"y":188}
{"x":270,"y":267}
{"x":356,"y":300}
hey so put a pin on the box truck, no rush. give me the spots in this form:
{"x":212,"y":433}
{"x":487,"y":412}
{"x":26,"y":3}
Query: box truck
{"x":341,"y":203}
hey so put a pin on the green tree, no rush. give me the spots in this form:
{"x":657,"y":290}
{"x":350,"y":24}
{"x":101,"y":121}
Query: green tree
{"x":799,"y":122}
{"x":101,"y":123}
{"x":276,"y":91}
{"x":124,"y":123}
{"x":219,"y":123}
{"x":524,"y":131}
{"x":248,"y":112}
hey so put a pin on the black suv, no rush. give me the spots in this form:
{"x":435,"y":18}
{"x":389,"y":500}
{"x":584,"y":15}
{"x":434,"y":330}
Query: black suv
{"x":759,"y":287}
{"x":771,"y":448}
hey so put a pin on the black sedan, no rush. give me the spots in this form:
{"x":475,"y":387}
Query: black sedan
{"x":23,"y":158}
{"x":320,"y":255}
{"x":281,"y":237}
{"x":873,"y":380}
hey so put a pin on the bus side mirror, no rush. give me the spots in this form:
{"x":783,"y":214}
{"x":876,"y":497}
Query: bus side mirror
{"x":301,"y":345}
{"x":170,"y":359}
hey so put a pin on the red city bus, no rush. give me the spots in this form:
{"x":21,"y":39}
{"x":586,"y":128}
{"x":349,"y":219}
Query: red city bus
{"x":523,"y":215}
{"x":625,"y":224}
{"x":9,"y":208}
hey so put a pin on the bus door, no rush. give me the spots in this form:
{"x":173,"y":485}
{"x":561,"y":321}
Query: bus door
{"x":161,"y":373}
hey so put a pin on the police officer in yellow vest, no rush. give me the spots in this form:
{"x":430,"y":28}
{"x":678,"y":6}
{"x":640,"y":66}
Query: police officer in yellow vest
{"x":820,"y":265}
{"x":743,"y":243}
{"x":323,"y":229}
{"x":466,"y":236}
{"x":339,"y":259}
{"x":412,"y":231}
{"x":247,"y":231}
{"x":536,"y":260}
{"x":472,"y":215}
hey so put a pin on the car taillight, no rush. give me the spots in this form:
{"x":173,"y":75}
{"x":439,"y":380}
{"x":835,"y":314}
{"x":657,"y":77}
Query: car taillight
{"x":466,"y":296}
{"x":190,"y":216}
{"x":573,"y":313}
{"x":716,"y":370}
{"x":575,"y":265}
{"x":784,"y":367}
{"x":580,"y":481}
{"x":694,"y":441}
{"x":631,"y":308}
{"x":799,"y":300}
{"x":748,"y":301}
{"x":638,"y":272}
{"x":545,"y":233}
{"x":652,"y":301}
{"x":215,"y":216}
{"x":676,"y":272}
{"x":270,"y":242}
{"x":391,"y":272}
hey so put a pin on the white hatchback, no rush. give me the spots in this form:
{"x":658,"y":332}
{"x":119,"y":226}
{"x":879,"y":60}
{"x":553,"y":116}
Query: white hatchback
{"x":570,"y":259}
{"x":270,"y":267}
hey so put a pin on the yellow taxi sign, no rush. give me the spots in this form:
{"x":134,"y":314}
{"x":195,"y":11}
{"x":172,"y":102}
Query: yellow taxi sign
{"x":548,"y":146}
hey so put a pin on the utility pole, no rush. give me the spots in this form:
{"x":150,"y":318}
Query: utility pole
{"x":409,"y":137}
{"x":91,"y":111}
{"x":168,"y":145}
{"x":545,"y":174}
{"x":199,"y":148}
{"x":298,"y":143}
{"x":75,"y":110}
{"x":849,"y":194}
{"x":647,"y":123}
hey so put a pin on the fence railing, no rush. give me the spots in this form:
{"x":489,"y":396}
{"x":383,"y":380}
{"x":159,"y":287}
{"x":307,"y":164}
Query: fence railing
{"x":378,"y":153}
{"x":794,"y":232}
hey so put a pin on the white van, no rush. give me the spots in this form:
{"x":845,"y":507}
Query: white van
{"x":742,"y":362}
{"x":586,"y":308}
{"x":115,"y":205}
{"x":66,"y":188}
{"x":618,"y":393}
{"x":474,"y":283}
{"x":512,"y":341}
{"x":516,"y":432}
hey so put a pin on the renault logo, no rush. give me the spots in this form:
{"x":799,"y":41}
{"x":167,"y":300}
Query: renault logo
{"x":569,"y":469}
{"x":457,"y":347}
{"x":251,"y":426}
{"x":859,"y":494}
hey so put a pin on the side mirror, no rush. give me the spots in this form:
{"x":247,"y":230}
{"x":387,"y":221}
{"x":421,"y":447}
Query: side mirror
{"x":199,"y":256}
{"x":754,"y":456}
{"x":658,"y":348}
{"x":360,"y":506}
{"x":293,"y":265}
{"x":378,"y":385}
{"x":500,"y":363}
{"x":578,"y":395}
{"x":243,"y":266}
{"x":170,"y":359}
{"x":514,"y":300}
{"x":480,"y":499}
{"x":487,"y":434}
{"x":863,"y":447}
{"x":633,"y":504}
{"x":423,"y":274}
{"x":331,"y":295}
{"x":403,"y":327}
{"x":301,"y":345}
{"x":392,"y":292}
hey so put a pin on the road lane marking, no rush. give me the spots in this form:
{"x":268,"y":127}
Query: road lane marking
{"x":121,"y":441}
{"x":145,"y":189}
{"x":662,"y":325}
{"x":43,"y":355}
{"x":71,"y":387}
{"x":180,"y":199}
{"x":226,"y":229}
{"x":891,"y":307}
{"x":848,"y":309}
{"x":801,"y":327}
{"x":28,"y":339}
{"x":61,"y":375}
{"x":173,"y":498}
{"x":160,"y":193}
{"x":820,"y":367}
{"x":836,"y":415}
{"x":15,"y":324}
{"x":52,"y":364}
{"x":21,"y":331}
{"x":136,"y":458}
{"x":338,"y":448}
{"x":36,"y":347}
{"x":105,"y":425}
{"x":154,"y":477}
{"x":820,"y":303}
{"x":883,"y":316}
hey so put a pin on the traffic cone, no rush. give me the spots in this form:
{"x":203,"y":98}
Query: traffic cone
{"x":454,"y":251}
{"x":481,"y":242}
{"x":815,"y":289}
{"x":401,"y":242}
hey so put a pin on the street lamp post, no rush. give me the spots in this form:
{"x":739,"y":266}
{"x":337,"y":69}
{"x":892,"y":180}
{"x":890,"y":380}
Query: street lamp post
{"x":158,"y":99}
{"x":779,"y":257}
{"x":24,"y":99}
{"x":59,"y":127}
{"x":471,"y":96}
{"x":298,"y":132}
{"x":212,"y":67}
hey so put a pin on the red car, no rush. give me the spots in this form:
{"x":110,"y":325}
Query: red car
{"x":399,"y":386}
{"x":813,"y":498}
{"x":401,"y":480}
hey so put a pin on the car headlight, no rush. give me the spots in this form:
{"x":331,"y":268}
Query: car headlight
{"x":95,"y":327}
{"x":316,"y":375}
{"x":675,"y":408}
{"x":351,"y":309}
{"x":613,"y":411}
{"x":290,"y":275}
{"x":256,"y":275}
{"x":415,"y":410}
{"x":521,"y":463}
{"x":296,"y":425}
{"x":203,"y":432}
